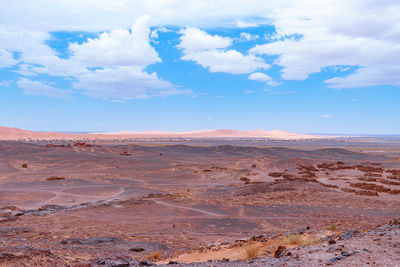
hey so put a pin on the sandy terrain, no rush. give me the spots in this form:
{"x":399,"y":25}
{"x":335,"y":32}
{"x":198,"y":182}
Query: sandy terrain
{"x":75,"y":203}
{"x":18,"y":134}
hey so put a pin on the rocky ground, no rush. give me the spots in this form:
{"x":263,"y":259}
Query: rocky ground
{"x":78,"y":204}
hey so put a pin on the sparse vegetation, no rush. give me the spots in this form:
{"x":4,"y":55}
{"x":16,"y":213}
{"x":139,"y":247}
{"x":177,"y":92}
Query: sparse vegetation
{"x":331,"y":227}
{"x":300,"y":240}
{"x":252,"y":251}
{"x":312,"y":240}
{"x":295,"y":240}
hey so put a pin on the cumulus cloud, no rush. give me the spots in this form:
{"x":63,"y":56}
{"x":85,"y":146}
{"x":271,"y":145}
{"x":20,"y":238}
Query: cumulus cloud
{"x":194,"y":39}
{"x":330,"y":35}
{"x":38,"y":88}
{"x":230,"y":61}
{"x":110,"y":66}
{"x":125,"y":83}
{"x":118,"y":47}
{"x":262,"y":77}
{"x":210,"y":51}
{"x":35,"y":57}
{"x":310,"y":35}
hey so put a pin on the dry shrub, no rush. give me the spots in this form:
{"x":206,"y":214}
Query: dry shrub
{"x":156,"y":255}
{"x":299,"y":240}
{"x":252,"y":251}
{"x":331,"y":227}
{"x":312,"y":240}
{"x":295,"y":240}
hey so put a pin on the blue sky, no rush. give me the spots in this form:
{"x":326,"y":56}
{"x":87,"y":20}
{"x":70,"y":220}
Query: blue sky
{"x":131,"y":65}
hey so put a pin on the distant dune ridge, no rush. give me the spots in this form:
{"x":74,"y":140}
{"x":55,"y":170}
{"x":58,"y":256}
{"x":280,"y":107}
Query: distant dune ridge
{"x":7,"y":133}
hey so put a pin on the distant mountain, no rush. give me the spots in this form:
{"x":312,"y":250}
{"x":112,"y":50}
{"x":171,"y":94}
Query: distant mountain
{"x":7,"y":133}
{"x":15,"y":133}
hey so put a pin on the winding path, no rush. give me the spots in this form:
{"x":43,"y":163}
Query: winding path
{"x":187,"y":208}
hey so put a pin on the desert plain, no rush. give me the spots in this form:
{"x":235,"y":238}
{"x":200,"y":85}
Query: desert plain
{"x":122,"y":200}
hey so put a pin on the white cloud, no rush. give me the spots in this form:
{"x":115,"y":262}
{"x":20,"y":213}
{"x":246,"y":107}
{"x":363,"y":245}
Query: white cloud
{"x":154,"y":33}
{"x":311,"y":35}
{"x":118,"y":48}
{"x":194,"y":39}
{"x":242,"y":24}
{"x":38,"y":88}
{"x":125,"y":83}
{"x":119,"y":58}
{"x":5,"y":83}
{"x":247,"y":37}
{"x":262,"y":77}
{"x":330,"y":35}
{"x":35,"y":56}
{"x":101,"y":15}
{"x":6,"y":59}
{"x":210,"y":52}
{"x":326,"y":116}
{"x":230,"y":61}
{"x":248,"y":92}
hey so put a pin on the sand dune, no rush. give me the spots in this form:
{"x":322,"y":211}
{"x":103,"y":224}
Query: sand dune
{"x":223,"y":133}
{"x":7,"y":133}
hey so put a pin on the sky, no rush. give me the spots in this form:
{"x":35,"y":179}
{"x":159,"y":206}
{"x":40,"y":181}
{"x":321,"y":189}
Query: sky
{"x":175,"y":65}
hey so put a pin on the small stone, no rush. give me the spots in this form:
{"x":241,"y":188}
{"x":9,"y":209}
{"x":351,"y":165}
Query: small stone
{"x":345,"y":253}
{"x":279,"y":251}
{"x":145,"y":263}
{"x":348,"y":234}
{"x":335,"y":248}
{"x":137,"y":249}
{"x":331,"y":241}
{"x":335,"y":259}
{"x":118,"y":263}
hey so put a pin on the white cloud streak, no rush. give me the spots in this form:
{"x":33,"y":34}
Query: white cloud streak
{"x":38,"y":88}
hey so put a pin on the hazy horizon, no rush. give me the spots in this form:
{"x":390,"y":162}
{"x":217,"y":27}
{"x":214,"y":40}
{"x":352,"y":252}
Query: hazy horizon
{"x":196,"y":130}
